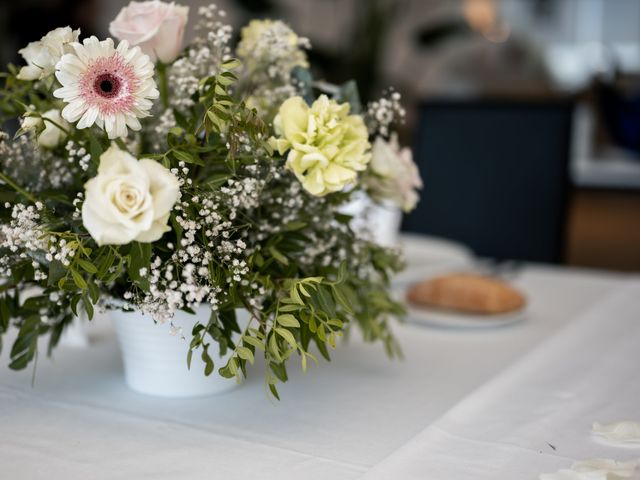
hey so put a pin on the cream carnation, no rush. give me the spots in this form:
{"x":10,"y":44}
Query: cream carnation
{"x":111,"y":87}
{"x":393,"y":175}
{"x":327,"y":146}
{"x":129,"y":199}
{"x":42,"y":56}
{"x":156,"y":27}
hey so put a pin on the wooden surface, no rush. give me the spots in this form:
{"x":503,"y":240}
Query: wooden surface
{"x":603,"y":229}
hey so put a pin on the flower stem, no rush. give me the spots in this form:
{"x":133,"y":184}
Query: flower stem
{"x":16,"y":187}
{"x":164,"y":87}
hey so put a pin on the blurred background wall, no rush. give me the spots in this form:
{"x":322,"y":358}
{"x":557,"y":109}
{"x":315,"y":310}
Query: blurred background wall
{"x":540,"y":98}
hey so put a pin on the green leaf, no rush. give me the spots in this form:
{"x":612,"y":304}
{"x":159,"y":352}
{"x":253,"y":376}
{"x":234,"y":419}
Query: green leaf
{"x":341,"y":298}
{"x":287,"y":335}
{"x":105,"y":264}
{"x":273,"y":348}
{"x":87,"y":266}
{"x":73,"y":304}
{"x":88,"y":307}
{"x":78,"y":279}
{"x":342,"y":273}
{"x":322,"y":348}
{"x":278,"y":256}
{"x":279,"y":370}
{"x":187,"y":157}
{"x":296,"y":296}
{"x":139,"y":259}
{"x":176,"y":131}
{"x":56,"y":272}
{"x":289,"y":308}
{"x":326,"y":301}
{"x":288,"y":320}
{"x":26,"y":344}
{"x":208,"y":368}
{"x":225,"y":80}
{"x":189,"y":358}
{"x":253,"y":341}
{"x":349,"y":93}
{"x":5,"y":315}
{"x":245,"y":354}
{"x":94,"y":292}
{"x":233,"y":366}
{"x":296,"y":225}
{"x":95,"y":149}
{"x":321,"y":334}
{"x":231,"y":64}
{"x":274,"y":391}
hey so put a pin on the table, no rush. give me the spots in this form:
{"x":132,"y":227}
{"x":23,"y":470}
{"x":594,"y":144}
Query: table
{"x":536,"y":416}
{"x":337,"y":421}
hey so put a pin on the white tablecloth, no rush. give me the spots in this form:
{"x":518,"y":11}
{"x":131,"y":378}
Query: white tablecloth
{"x":337,"y":421}
{"x":536,"y":416}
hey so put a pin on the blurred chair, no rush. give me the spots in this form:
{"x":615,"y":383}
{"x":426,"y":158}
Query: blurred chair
{"x":495,"y":175}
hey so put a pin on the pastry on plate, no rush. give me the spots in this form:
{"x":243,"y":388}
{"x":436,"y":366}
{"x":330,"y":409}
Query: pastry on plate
{"x":467,"y":292}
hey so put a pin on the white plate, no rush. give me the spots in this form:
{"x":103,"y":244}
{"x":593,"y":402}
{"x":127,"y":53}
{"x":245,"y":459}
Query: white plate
{"x":433,"y":317}
{"x":449,"y":319}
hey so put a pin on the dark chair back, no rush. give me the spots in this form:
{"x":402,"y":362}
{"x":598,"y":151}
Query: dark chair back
{"x":495,"y":176}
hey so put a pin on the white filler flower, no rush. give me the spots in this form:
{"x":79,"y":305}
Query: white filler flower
{"x":128,"y":199}
{"x":111,"y":87}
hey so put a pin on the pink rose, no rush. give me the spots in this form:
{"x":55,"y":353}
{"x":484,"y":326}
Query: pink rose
{"x":156,"y":27}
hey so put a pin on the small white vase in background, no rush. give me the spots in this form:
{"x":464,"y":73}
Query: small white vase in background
{"x":155,"y":360}
{"x":380,"y":222}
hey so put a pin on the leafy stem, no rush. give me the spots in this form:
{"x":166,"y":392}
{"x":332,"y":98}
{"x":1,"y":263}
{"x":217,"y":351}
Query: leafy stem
{"x":164,"y":85}
{"x":6,"y":179}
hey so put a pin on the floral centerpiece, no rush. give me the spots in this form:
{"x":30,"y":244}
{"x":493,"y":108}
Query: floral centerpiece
{"x":148,"y":177}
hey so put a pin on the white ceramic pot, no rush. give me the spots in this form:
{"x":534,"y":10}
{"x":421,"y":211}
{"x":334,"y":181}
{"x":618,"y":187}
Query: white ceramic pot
{"x":155,"y":361}
{"x":380,"y":222}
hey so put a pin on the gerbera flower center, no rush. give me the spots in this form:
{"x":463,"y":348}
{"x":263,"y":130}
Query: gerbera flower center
{"x":107,"y":85}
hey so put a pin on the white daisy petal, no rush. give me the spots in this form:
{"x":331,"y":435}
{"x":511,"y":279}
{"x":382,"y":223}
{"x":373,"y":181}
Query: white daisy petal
{"x":89,"y":118}
{"x":120,"y":126}
{"x":133,"y":123}
{"x":73,"y":111}
{"x":109,"y":123}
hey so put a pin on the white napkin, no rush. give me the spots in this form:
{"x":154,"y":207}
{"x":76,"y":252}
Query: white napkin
{"x":623,"y":433}
{"x":595,"y":469}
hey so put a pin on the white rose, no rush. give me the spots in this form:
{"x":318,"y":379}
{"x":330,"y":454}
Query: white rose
{"x":42,"y":56}
{"x":52,"y":135}
{"x":395,"y":175}
{"x":129,"y":199}
{"x":156,"y":27}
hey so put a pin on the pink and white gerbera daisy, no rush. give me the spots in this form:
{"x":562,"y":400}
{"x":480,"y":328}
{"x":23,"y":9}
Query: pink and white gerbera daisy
{"x":111,"y":87}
